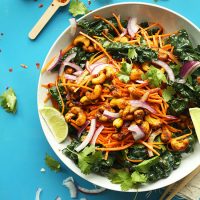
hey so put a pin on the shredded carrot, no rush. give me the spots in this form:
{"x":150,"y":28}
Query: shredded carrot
{"x":149,"y":147}
{"x":118,"y":21}
{"x":101,"y":47}
{"x":115,"y":148}
{"x":77,"y":85}
{"x":107,"y":37}
{"x":108,"y":22}
{"x":134,"y":161}
{"x":72,"y":122}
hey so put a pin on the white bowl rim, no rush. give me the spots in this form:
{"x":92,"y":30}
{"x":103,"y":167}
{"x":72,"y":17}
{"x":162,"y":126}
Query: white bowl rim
{"x":46,"y":60}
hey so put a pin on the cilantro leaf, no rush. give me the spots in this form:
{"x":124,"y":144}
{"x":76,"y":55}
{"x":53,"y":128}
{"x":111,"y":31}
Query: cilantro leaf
{"x":124,"y":72}
{"x":52,"y":163}
{"x":132,"y":54}
{"x":8,"y":101}
{"x":77,"y":7}
{"x":167,"y":93}
{"x":155,"y":76}
{"x":121,"y":177}
{"x":138,"y":177}
{"x":87,"y":158}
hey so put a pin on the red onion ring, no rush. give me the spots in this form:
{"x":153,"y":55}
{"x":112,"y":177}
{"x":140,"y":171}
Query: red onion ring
{"x":55,"y":62}
{"x":92,"y":191}
{"x":73,"y":24}
{"x":138,"y":103}
{"x":83,"y":128}
{"x":77,"y":73}
{"x":99,"y":68}
{"x":111,"y":115}
{"x":188,"y":68}
{"x":137,"y":132}
{"x":37,"y":195}
{"x":166,"y":67}
{"x":69,"y":183}
{"x":73,"y":65}
{"x":96,"y":134}
{"x":88,"y":137}
{"x":70,"y":77}
{"x":132,"y":26}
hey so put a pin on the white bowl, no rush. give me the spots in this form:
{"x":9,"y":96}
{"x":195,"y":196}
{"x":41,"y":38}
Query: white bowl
{"x":171,"y":21}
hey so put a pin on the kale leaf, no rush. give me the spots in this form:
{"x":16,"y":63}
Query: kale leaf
{"x":120,"y":50}
{"x":96,"y":27}
{"x":124,"y":72}
{"x":183,"y":48}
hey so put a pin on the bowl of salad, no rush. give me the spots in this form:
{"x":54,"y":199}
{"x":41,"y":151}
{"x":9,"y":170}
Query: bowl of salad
{"x":114,"y":96}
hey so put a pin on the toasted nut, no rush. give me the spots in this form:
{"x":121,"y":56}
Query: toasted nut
{"x":145,"y":66}
{"x":154,"y":123}
{"x":145,"y":127}
{"x":84,"y":100}
{"x":82,"y":39}
{"x":138,"y":121}
{"x":166,"y":134}
{"x":118,"y":122}
{"x":136,"y":74}
{"x":139,"y":114}
{"x":117,"y":136}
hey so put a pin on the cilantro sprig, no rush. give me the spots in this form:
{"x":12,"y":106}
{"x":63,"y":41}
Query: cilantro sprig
{"x":154,"y":76}
{"x":77,"y":7}
{"x":52,"y":163}
{"x":8,"y":101}
{"x":124,"y":73}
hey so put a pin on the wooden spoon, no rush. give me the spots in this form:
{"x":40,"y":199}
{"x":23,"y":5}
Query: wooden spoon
{"x":46,"y":17}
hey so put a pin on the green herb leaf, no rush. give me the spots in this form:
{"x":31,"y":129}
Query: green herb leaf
{"x":167,"y":93}
{"x":124,"y":72}
{"x":87,"y":159}
{"x":52,"y":163}
{"x":155,"y":76}
{"x":138,"y":177}
{"x":132,"y":54}
{"x":121,"y":177}
{"x":77,"y":7}
{"x":8,"y":101}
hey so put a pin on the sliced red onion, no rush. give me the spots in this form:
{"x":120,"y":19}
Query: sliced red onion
{"x":102,"y":60}
{"x":166,"y":67}
{"x":91,"y":191}
{"x":73,"y":65}
{"x":138,"y":103}
{"x":140,"y":81}
{"x":67,"y":59}
{"x":99,"y":68}
{"x":73,"y":24}
{"x":132,"y":26}
{"x":55,"y":62}
{"x":69,"y":183}
{"x":188,"y":68}
{"x":152,"y":138}
{"x":96,"y":134}
{"x":124,"y":32}
{"x":70,"y":77}
{"x":83,"y":198}
{"x":111,"y":115}
{"x":77,"y":73}
{"x":58,"y":198}
{"x":182,"y":81}
{"x":137,"y":132}
{"x":37,"y":195}
{"x":88,"y":137}
{"x":91,"y":67}
{"x":170,"y":117}
{"x":83,"y":128}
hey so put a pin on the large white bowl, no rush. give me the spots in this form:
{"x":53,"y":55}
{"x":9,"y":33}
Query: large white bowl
{"x":171,"y":21}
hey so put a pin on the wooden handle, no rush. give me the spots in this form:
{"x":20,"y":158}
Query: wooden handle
{"x":43,"y":20}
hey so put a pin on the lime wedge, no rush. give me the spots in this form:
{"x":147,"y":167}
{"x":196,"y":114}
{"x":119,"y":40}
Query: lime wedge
{"x":195,"y":115}
{"x":56,"y":122}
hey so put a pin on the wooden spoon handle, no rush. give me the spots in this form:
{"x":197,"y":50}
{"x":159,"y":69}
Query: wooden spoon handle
{"x":43,"y":20}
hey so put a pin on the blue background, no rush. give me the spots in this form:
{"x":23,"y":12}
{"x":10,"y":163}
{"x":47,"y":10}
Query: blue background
{"x":22,"y":142}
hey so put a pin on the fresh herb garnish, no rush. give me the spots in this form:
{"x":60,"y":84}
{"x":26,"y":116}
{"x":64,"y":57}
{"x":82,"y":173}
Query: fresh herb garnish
{"x":52,"y":163}
{"x":168,"y":93}
{"x":77,"y":7}
{"x":154,"y":76}
{"x":124,"y":72}
{"x":8,"y":101}
{"x":87,"y":159}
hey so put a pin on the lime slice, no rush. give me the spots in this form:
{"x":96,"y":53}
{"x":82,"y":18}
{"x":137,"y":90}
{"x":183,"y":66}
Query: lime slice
{"x":195,"y":115}
{"x":56,"y":122}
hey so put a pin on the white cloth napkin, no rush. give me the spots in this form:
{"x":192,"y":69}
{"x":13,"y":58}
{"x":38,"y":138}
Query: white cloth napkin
{"x":192,"y":190}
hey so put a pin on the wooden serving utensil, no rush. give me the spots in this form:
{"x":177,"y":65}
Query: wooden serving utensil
{"x":46,"y":17}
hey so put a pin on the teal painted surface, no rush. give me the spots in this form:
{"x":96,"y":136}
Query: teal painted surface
{"x":22,"y":142}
